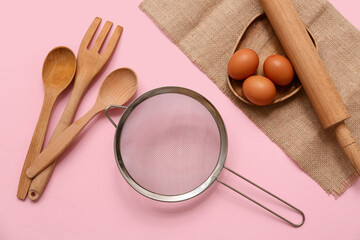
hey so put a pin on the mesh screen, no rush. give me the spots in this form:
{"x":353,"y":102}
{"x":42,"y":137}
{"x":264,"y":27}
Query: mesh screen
{"x":170,"y":144}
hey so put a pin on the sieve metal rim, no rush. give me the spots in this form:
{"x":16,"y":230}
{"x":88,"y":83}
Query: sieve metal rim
{"x":223,"y":144}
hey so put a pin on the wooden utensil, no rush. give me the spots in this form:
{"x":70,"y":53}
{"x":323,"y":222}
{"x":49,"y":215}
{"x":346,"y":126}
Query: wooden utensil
{"x":260,"y":37}
{"x":313,"y":75}
{"x":58,"y":71}
{"x":90,"y":62}
{"x":116,"y":89}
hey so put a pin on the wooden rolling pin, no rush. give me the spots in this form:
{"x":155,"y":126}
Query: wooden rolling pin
{"x":312,"y":73}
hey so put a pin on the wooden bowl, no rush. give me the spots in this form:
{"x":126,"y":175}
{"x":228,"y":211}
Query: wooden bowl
{"x":260,"y":37}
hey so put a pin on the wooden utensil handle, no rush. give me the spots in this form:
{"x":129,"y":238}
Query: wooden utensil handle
{"x":36,"y":142}
{"x":38,"y":183}
{"x":306,"y":61}
{"x":348,"y":145}
{"x":60,"y":143}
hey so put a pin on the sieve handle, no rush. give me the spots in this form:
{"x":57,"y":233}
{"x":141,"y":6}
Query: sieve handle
{"x":107,"y":115}
{"x":269,"y":193}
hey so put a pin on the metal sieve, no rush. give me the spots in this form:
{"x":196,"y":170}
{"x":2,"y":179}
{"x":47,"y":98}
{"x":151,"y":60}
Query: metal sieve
{"x":171,"y":144}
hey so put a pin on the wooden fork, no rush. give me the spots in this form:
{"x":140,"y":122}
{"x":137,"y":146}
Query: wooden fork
{"x":89,"y":63}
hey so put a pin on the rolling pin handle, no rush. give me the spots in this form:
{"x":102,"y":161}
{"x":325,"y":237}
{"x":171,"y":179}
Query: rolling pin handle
{"x":348,"y":145}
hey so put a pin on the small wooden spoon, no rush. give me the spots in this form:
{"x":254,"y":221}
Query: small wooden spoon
{"x":58,"y":71}
{"x":116,"y":89}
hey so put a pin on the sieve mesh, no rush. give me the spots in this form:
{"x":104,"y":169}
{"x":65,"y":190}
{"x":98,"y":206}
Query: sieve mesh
{"x":170,"y":144}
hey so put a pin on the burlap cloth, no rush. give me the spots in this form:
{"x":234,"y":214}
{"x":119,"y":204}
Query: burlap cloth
{"x":207,"y":31}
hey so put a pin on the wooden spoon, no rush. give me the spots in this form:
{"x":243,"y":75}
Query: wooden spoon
{"x":116,"y":89}
{"x":260,"y":37}
{"x":58,"y":71}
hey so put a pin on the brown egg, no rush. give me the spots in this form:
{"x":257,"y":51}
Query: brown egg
{"x":243,"y":63}
{"x":279,"y":70}
{"x":259,"y":90}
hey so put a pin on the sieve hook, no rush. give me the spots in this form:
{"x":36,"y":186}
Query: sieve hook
{"x":269,"y":193}
{"x":107,"y":115}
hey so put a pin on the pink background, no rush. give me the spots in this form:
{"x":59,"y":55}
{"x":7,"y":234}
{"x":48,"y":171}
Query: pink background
{"x":87,"y":198}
